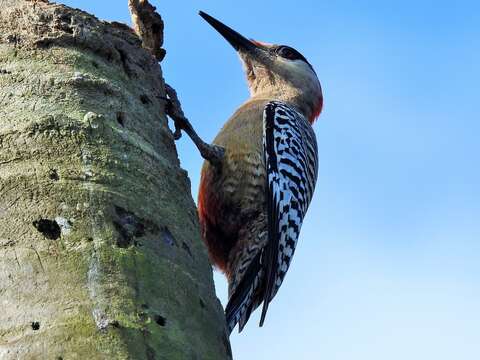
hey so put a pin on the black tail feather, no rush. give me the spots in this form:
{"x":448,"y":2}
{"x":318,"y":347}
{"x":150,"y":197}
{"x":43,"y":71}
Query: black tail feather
{"x":241,"y":301}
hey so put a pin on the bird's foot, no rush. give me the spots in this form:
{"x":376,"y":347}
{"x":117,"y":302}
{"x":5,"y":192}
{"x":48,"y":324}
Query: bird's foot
{"x":175,"y":112}
{"x":210,"y":152}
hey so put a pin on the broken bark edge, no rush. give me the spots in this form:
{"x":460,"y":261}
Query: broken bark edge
{"x":148,"y":25}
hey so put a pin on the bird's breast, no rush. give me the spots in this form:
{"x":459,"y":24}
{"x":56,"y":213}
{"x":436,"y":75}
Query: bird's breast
{"x":242,"y":177}
{"x":233,"y":193}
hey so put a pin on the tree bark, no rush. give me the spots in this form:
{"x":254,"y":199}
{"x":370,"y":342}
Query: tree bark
{"x":100,"y":253}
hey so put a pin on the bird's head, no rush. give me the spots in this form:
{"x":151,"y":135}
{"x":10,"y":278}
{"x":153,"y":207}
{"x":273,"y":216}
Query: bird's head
{"x":276,"y":72}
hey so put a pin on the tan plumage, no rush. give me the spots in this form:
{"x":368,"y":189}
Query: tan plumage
{"x":232,"y":202}
{"x":232,"y":199}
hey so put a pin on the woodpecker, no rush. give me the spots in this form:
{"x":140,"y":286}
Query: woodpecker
{"x":259,"y":177}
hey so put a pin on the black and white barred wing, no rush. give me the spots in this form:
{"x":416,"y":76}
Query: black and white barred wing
{"x":290,"y":150}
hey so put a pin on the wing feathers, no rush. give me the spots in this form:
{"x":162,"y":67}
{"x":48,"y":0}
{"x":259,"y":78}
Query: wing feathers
{"x":290,"y":153}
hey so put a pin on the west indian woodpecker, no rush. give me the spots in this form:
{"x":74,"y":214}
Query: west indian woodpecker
{"x":259,"y":174}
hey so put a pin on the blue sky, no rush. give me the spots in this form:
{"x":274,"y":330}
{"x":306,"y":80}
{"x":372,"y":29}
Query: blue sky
{"x":388,"y":263}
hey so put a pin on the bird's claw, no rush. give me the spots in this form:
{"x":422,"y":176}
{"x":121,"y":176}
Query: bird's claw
{"x":174,"y":110}
{"x":177,"y":134}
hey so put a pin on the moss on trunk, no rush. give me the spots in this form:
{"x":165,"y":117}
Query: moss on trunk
{"x":100,"y":254}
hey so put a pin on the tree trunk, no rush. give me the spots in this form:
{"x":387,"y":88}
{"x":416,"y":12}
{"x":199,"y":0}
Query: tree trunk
{"x":100,"y":253}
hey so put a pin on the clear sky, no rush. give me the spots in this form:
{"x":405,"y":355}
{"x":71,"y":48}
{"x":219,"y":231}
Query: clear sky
{"x":388,"y":262}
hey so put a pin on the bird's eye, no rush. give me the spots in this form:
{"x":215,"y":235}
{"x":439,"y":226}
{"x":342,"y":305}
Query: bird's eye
{"x":287,"y":53}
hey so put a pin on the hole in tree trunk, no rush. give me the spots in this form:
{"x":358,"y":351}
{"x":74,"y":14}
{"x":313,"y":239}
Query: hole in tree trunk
{"x":187,"y":249}
{"x":53,"y":175}
{"x":121,"y":118}
{"x":145,"y":99}
{"x":49,"y":228}
{"x":160,"y":320}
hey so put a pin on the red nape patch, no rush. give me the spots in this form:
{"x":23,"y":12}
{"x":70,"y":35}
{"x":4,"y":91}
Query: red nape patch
{"x":261,"y":43}
{"x":316,"y":112}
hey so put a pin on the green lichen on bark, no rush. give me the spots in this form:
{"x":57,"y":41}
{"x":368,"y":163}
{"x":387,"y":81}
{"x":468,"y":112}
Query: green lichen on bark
{"x":100,"y":254}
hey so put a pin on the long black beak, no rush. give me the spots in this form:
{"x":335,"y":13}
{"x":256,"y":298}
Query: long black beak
{"x":239,"y":42}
